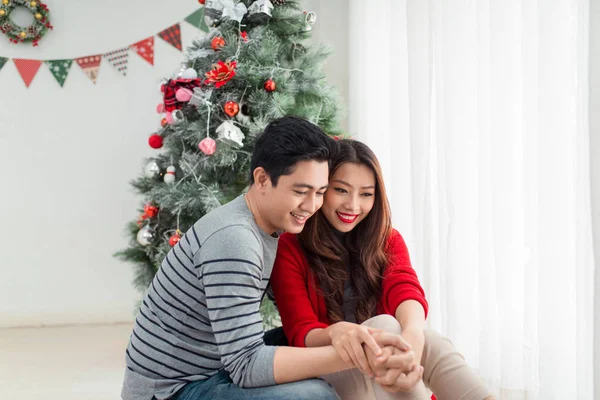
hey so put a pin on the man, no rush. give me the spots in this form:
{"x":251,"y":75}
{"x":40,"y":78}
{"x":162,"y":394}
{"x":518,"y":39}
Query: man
{"x":199,"y":332}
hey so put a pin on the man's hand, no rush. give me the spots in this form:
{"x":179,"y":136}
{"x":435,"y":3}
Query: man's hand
{"x":348,"y":339}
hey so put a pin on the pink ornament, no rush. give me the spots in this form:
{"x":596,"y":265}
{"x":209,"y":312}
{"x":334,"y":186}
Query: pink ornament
{"x":160,"y":108}
{"x":208,"y":146}
{"x":169,"y":118}
{"x":183,"y":95}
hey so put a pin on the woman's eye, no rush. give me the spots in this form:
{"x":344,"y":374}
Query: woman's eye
{"x":367,"y":194}
{"x":340,"y":190}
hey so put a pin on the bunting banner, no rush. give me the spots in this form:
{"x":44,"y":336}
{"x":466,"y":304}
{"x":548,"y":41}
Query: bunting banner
{"x":60,"y":69}
{"x":90,"y":65}
{"x":118,"y":58}
{"x":145,"y":49}
{"x":3,"y":60}
{"x":27,"y":69}
{"x":172,"y":35}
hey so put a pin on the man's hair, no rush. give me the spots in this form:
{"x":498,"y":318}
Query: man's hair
{"x":287,"y":141}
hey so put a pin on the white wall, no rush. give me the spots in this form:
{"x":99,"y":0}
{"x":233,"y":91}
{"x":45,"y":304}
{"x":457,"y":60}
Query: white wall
{"x":595,"y":172}
{"x":67,"y":155}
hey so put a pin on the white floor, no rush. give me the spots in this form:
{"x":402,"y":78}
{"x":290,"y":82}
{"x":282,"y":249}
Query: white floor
{"x":63,"y":363}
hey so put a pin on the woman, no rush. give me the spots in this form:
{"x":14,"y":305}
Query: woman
{"x":348,"y":275}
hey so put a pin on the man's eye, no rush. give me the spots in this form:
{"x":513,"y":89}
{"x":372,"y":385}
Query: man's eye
{"x":300,"y":192}
{"x":320,"y":193}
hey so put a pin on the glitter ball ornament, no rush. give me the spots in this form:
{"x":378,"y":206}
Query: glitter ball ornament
{"x":208,"y":146}
{"x":152,"y":170}
{"x":145,"y":236}
{"x":217,"y":43}
{"x":231,"y":108}
{"x":270,"y":85}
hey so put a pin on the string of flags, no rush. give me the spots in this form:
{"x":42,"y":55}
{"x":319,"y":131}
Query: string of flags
{"x":119,"y":58}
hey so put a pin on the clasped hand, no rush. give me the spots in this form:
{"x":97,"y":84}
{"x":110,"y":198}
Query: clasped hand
{"x":385,"y":356}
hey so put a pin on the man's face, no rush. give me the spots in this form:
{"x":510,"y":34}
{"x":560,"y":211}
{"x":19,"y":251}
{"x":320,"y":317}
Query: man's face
{"x":296,"y":197}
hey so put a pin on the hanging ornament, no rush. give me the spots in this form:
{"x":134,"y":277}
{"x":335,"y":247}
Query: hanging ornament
{"x":270,"y":85}
{"x":310,"y":20}
{"x":202,"y":1}
{"x":231,"y":108}
{"x":164,"y":122}
{"x":173,"y":240}
{"x":170,"y":175}
{"x":217,"y":43}
{"x":152,"y":170}
{"x":183,"y":94}
{"x":150,"y":211}
{"x":177,"y":117}
{"x":155,"y":141}
{"x":260,"y":11}
{"x":229,"y":132}
{"x":208,"y":146}
{"x":145,"y":236}
{"x":244,"y":114}
{"x":189,"y":73}
{"x":244,"y":36}
{"x":213,"y":10}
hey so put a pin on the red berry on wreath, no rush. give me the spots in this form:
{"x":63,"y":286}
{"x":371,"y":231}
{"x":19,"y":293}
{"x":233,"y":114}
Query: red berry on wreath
{"x":173,"y":240}
{"x":270,"y":85}
{"x":155,"y":141}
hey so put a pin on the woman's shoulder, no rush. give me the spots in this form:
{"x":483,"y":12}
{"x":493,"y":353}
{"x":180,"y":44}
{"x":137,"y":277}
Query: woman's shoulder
{"x":289,"y":239}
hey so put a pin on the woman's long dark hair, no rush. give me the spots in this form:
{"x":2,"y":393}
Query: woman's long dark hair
{"x":363,"y":248}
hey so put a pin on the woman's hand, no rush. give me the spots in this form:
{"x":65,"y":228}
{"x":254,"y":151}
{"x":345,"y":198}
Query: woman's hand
{"x":348,"y":339}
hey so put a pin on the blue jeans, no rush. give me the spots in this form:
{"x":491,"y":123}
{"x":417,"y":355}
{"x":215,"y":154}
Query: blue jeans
{"x":220,"y":387}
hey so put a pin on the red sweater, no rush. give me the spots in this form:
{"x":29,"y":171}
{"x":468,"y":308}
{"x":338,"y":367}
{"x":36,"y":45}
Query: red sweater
{"x":302,"y":307}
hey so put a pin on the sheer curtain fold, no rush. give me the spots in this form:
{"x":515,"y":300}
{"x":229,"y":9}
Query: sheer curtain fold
{"x":478,"y":113}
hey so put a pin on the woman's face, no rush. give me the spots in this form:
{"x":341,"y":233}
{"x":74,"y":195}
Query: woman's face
{"x":350,"y":196}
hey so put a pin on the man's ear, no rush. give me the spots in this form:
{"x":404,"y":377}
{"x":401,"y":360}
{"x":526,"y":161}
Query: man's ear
{"x":261,"y":178}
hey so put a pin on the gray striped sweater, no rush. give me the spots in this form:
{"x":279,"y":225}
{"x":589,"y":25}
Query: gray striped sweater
{"x":201,"y":312}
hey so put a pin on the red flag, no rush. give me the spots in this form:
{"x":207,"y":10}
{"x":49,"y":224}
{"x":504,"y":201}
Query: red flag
{"x":145,"y":48}
{"x":27,"y":68}
{"x":172,"y":35}
{"x":90,"y":65}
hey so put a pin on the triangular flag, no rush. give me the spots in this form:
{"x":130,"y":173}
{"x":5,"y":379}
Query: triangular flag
{"x":90,"y":65}
{"x":197,"y":19}
{"x":145,"y":48}
{"x":172,"y":35}
{"x":3,"y":60}
{"x":60,"y":69}
{"x":27,"y":68}
{"x":119,"y":59}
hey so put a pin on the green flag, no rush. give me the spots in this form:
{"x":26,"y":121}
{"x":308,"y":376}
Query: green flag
{"x":197,"y":19}
{"x":60,"y":69}
{"x":3,"y":61}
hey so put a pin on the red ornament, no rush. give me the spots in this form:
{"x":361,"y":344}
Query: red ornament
{"x":150,"y":211}
{"x":202,"y":1}
{"x":244,"y":36}
{"x":270,"y":85}
{"x":217,"y":43}
{"x":231,"y":108}
{"x":221,"y":73}
{"x":164,"y":122}
{"x":173,"y":240}
{"x":155,"y":141}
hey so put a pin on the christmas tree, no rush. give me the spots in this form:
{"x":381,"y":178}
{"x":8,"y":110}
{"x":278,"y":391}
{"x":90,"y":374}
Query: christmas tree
{"x":253,"y":66}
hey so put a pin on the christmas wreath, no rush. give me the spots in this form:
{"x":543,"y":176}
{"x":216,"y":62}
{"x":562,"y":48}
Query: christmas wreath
{"x":18,"y":34}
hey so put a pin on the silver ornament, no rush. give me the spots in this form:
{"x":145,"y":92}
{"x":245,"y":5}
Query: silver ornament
{"x":244,"y":115}
{"x":311,"y":18}
{"x":145,"y":236}
{"x":152,"y":170}
{"x":170,"y":175}
{"x":178,"y":117}
{"x":260,"y":11}
{"x":228,"y":131}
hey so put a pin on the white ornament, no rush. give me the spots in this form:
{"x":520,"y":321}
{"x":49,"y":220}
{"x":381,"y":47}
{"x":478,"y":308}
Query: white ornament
{"x":234,"y":11}
{"x":228,"y":131}
{"x":144,"y":236}
{"x":170,"y":175}
{"x":260,"y":11}
{"x":178,"y":117}
{"x":152,"y":170}
{"x":189,"y":73}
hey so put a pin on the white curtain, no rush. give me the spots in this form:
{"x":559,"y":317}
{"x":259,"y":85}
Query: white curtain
{"x":478,"y":111}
